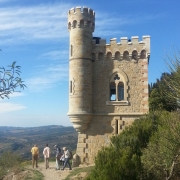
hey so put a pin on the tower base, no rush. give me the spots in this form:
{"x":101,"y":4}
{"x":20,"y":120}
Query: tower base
{"x":80,"y":121}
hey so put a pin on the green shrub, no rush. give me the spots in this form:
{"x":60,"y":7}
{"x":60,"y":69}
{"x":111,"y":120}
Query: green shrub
{"x":161,"y":158}
{"x":122,"y":160}
{"x":9,"y":161}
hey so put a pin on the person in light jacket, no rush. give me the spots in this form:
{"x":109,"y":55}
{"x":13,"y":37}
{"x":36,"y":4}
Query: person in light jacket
{"x":66,"y":155}
{"x":46,"y":153}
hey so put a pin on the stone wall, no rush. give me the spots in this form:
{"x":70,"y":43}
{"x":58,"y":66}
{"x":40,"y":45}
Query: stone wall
{"x":94,"y":66}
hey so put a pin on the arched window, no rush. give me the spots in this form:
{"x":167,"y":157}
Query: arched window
{"x":74,"y":23}
{"x":117,"y":55}
{"x":126,"y":55}
{"x":116,"y":88}
{"x":100,"y":56}
{"x":82,"y":23}
{"x":112,"y":91}
{"x":109,"y":56}
{"x":143,"y":54}
{"x":120,"y":91}
{"x":135,"y":55}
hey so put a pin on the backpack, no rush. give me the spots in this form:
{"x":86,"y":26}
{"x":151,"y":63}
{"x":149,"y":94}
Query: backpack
{"x":70,"y":155}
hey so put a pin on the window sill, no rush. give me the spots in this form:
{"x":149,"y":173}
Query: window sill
{"x":119,"y":103}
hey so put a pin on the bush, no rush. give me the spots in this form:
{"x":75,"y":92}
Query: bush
{"x":122,"y":160}
{"x":9,"y":161}
{"x":162,"y":156}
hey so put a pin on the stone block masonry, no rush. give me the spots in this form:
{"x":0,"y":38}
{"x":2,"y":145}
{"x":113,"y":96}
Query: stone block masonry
{"x":108,"y":83}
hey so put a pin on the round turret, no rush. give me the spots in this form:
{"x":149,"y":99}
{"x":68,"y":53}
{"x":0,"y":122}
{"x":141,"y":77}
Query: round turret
{"x":81,"y":27}
{"x":81,"y":18}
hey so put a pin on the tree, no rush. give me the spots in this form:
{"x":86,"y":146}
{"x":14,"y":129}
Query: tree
{"x":10,"y":80}
{"x":173,"y":65}
{"x":162,"y":156}
{"x":158,"y":99}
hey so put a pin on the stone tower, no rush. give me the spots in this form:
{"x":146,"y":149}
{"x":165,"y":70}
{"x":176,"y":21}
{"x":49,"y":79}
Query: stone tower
{"x":108,"y":83}
{"x":81,"y":27}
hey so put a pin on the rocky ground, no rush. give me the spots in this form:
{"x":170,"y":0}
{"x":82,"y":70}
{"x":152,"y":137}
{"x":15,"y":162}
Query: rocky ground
{"x":52,"y":173}
{"x":49,"y":174}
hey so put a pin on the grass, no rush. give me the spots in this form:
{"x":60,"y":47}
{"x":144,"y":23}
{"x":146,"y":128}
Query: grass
{"x":34,"y":175}
{"x":9,"y":162}
{"x":12,"y":163}
{"x":79,"y":173}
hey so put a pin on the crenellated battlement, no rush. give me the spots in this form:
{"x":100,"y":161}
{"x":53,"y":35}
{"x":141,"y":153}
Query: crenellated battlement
{"x":81,"y":17}
{"x":125,"y":49}
{"x":126,"y":41}
{"x":81,"y":10}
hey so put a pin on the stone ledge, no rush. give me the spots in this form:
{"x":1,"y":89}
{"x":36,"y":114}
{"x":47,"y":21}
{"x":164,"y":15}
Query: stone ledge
{"x":115,"y":103}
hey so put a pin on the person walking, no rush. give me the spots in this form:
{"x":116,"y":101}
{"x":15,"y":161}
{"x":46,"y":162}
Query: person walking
{"x":46,"y":153}
{"x":66,"y":155}
{"x":58,"y":156}
{"x":62,"y":159}
{"x":35,"y":155}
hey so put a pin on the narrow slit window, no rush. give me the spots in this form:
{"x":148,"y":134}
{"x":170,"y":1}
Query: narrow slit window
{"x":71,"y":50}
{"x":93,"y":57}
{"x":117,"y":127}
{"x":112,"y":91}
{"x":120,"y":91}
{"x":70,"y":86}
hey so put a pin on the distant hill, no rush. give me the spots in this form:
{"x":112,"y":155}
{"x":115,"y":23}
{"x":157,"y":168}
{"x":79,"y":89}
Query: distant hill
{"x":21,"y":140}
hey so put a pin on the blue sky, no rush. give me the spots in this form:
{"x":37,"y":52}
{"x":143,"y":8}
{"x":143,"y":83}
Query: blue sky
{"x":34,"y":33}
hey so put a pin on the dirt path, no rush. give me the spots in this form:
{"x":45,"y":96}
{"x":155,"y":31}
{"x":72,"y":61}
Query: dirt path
{"x":51,"y":173}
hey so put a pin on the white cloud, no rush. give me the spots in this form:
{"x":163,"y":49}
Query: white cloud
{"x":104,"y":19}
{"x":43,"y":22}
{"x":13,"y":95}
{"x":8,"y":107}
{"x":55,"y":55}
{"x":34,"y":120}
{"x":16,"y":94}
{"x":48,"y":77}
{"x":107,"y":25}
{"x":49,"y":22}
